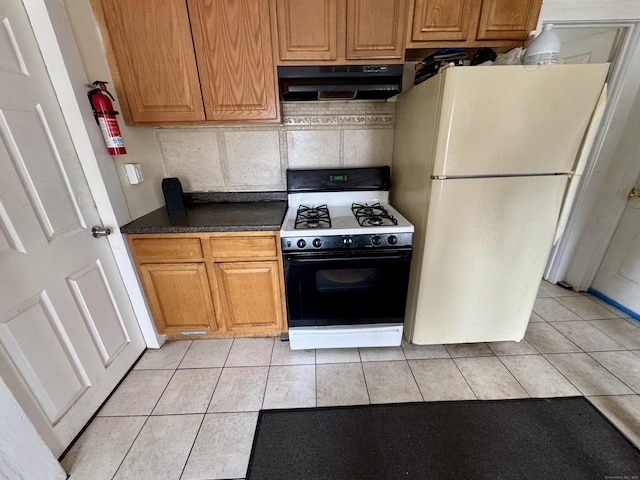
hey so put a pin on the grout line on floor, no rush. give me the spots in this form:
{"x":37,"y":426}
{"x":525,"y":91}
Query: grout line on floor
{"x":366,"y":385}
{"x":193,"y":443}
{"x":465,"y":378}
{"x":608,"y":370}
{"x":130,"y":446}
{"x":545,"y":355}
{"x":414,"y":378}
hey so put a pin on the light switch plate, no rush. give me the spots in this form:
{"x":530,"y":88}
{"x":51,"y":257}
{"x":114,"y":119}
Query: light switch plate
{"x":134,"y":173}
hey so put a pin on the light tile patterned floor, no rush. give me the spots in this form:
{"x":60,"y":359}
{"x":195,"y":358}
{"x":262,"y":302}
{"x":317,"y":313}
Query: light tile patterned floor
{"x":189,"y":410}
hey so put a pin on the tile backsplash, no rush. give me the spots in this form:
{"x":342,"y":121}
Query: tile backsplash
{"x":251,"y":158}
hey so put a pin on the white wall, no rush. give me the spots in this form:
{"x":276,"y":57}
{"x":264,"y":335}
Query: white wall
{"x":588,"y":10}
{"x":140,"y":142}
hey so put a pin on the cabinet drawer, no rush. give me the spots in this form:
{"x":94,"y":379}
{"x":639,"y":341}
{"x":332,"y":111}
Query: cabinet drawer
{"x":251,"y":248}
{"x":156,"y":250}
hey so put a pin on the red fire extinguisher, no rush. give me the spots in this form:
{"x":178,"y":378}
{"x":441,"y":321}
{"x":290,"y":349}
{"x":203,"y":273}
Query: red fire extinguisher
{"x":105,"y":117}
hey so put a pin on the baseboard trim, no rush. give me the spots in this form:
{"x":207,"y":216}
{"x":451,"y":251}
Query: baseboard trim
{"x":613,"y":303}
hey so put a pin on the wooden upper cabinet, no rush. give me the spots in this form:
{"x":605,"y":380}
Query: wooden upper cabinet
{"x":335,"y":31}
{"x":307,"y":30}
{"x":151,"y":44}
{"x":508,"y":19}
{"x":376,"y":29}
{"x":183,"y":61}
{"x":471,"y":23}
{"x":435,"y":20}
{"x":232,"y":40}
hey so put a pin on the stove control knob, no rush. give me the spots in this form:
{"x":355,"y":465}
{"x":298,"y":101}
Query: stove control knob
{"x":347,"y":241}
{"x":392,"y":240}
{"x":317,"y":242}
{"x":302,"y":243}
{"x":376,"y":240}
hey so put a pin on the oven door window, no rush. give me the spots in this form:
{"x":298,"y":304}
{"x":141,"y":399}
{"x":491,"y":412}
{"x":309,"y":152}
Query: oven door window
{"x":346,"y":291}
{"x":343,"y":280}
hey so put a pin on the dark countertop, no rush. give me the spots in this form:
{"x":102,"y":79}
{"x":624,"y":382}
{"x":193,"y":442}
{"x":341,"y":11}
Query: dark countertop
{"x":216,"y":212}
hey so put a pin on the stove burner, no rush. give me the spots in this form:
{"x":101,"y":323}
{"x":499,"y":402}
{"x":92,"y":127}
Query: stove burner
{"x":313,"y":217}
{"x":374,"y":215}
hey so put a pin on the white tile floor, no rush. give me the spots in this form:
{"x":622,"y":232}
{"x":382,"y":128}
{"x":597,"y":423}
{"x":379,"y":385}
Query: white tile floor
{"x":189,"y":410}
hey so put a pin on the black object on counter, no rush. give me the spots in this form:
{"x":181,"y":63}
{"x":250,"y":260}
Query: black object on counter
{"x":173,"y":195}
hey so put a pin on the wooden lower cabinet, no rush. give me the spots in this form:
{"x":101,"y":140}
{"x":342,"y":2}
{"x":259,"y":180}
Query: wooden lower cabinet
{"x":179,"y":296}
{"x":249,"y":295}
{"x":212,"y":284}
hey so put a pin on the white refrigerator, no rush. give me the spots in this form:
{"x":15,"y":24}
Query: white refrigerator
{"x":485,"y":159}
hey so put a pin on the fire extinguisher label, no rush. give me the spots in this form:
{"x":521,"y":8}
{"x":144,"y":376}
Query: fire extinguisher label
{"x":110,"y":132}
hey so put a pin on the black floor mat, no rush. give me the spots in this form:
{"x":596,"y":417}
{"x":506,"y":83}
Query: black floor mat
{"x":559,"y":438}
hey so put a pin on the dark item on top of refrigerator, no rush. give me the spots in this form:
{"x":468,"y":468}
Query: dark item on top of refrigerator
{"x":431,"y":64}
{"x":483,"y":54}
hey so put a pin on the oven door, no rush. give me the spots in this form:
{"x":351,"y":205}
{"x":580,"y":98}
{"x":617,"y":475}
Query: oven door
{"x":355,"y":287}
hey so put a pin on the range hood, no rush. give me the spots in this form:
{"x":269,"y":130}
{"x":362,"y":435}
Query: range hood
{"x":339,"y":82}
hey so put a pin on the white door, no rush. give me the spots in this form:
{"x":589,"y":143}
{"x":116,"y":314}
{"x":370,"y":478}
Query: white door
{"x":580,"y":44}
{"x":68,"y":333}
{"x":618,"y":277}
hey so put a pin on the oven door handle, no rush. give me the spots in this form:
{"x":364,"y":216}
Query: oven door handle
{"x":310,"y":258}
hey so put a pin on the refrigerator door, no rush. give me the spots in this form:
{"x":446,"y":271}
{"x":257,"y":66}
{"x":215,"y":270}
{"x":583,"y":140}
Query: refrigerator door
{"x":485,"y":248}
{"x":583,"y":156}
{"x":512,"y":120}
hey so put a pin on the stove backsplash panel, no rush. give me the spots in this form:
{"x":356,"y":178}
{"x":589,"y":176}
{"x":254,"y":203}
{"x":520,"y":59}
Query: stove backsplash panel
{"x":251,"y":158}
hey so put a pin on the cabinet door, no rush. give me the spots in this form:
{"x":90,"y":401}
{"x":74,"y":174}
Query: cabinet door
{"x":250,"y":295}
{"x":508,"y":19}
{"x":179,"y":296}
{"x":232,"y":40}
{"x":307,"y":30}
{"x":444,"y":20}
{"x":151,"y":44}
{"x":376,"y":29}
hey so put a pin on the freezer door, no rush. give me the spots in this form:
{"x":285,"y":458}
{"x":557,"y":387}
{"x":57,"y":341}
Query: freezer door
{"x":504,"y":120}
{"x":485,"y":248}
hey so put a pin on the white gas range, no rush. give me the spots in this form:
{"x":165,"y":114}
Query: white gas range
{"x":346,"y":255}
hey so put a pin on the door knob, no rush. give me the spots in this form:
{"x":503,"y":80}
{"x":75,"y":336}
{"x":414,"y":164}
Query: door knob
{"x":99,"y":231}
{"x":635,"y":192}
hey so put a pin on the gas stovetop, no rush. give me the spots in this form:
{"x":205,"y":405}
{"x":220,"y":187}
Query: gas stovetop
{"x":331,"y":220}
